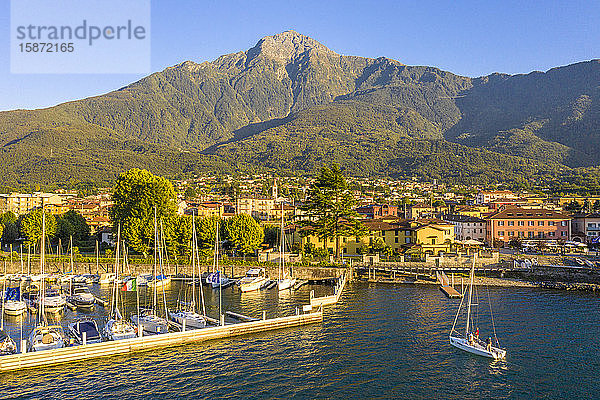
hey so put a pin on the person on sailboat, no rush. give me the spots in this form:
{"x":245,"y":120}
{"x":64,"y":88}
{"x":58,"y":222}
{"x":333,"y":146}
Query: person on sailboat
{"x":477,"y":334}
{"x":471,"y":341}
{"x":489,"y":344}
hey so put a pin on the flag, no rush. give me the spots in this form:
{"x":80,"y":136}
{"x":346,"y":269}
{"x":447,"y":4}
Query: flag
{"x":213,"y":277}
{"x":12,"y":293}
{"x":129,"y":286}
{"x":596,"y":240}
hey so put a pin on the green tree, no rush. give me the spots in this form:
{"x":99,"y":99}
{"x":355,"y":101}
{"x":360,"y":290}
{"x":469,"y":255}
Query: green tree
{"x":189,"y":193}
{"x":244,"y":233}
{"x":31,"y":226}
{"x":330,"y":206}
{"x":206,"y":228}
{"x":180,"y":236}
{"x":596,"y":206}
{"x":73,"y":224}
{"x":1,"y":231}
{"x":136,"y":195}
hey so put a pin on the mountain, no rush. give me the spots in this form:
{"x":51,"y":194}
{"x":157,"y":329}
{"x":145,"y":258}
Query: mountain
{"x":290,"y":103}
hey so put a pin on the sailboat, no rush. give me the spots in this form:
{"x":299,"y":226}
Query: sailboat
{"x":285,"y":281}
{"x":44,"y":336}
{"x":116,"y":327}
{"x":149,"y":321}
{"x":217,"y":279}
{"x":470,"y":342}
{"x":186,"y":315}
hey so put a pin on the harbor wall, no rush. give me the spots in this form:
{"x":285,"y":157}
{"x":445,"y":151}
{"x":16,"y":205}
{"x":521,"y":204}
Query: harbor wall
{"x":305,"y":272}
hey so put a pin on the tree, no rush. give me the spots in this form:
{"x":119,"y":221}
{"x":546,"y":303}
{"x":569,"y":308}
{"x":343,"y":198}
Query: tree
{"x":206,"y":228}
{"x":244,"y":233}
{"x":189,"y":193}
{"x":1,"y":231}
{"x":136,"y":195}
{"x":31,"y":226}
{"x":180,"y":236}
{"x":330,"y":206}
{"x":596,"y":206}
{"x":73,"y":224}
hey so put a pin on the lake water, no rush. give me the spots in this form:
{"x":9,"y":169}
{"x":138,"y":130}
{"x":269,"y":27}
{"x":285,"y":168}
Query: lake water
{"x":380,"y":341}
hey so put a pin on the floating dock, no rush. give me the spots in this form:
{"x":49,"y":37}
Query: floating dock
{"x":450,"y":292}
{"x":106,"y":349}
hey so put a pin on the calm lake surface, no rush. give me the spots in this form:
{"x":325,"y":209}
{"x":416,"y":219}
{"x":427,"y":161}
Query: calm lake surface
{"x":380,"y":341}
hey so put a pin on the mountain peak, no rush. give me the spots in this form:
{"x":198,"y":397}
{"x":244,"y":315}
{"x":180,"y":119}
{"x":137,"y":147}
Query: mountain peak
{"x":287,"y":46}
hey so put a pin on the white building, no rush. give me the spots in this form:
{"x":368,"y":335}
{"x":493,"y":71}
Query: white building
{"x":467,"y":227}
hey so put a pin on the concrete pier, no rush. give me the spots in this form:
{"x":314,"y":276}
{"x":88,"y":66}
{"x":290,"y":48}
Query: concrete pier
{"x":146,"y":343}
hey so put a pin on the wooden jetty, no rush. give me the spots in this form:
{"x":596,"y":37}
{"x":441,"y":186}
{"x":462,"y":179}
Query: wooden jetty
{"x":145,"y":343}
{"x":446,"y":287}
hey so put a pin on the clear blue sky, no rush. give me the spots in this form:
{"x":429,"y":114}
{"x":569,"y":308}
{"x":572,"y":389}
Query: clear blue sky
{"x":471,"y":38}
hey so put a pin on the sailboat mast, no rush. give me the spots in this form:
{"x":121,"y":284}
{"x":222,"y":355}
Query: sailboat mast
{"x":470,"y":297}
{"x":42,"y":294}
{"x":71,"y":245}
{"x":217,"y":267}
{"x":193,"y":308}
{"x":155,"y":294}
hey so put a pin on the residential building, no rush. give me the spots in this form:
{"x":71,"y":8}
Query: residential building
{"x":375,"y":211}
{"x":486,"y":196}
{"x":23,"y":203}
{"x":467,"y":227}
{"x":585,"y":227}
{"x":522,"y":223}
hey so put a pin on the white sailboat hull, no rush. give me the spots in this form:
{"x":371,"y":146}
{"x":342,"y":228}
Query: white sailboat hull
{"x":255,"y":284}
{"x":476,"y":348}
{"x":119,"y":330}
{"x":151,"y":324}
{"x":15,"y":307}
{"x":156,"y":283}
{"x":286,"y":283}
{"x":192,"y":319}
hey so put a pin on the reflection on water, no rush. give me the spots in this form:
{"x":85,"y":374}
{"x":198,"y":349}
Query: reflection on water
{"x":381,"y":341}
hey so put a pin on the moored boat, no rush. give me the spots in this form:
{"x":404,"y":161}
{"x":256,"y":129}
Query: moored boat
{"x":87,"y":329}
{"x":254,"y":280}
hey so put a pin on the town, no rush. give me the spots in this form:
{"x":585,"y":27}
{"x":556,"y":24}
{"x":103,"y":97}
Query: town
{"x":403,"y":220}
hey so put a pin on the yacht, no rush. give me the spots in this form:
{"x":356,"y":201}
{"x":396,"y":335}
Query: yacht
{"x":46,"y":337}
{"x":81,"y":297}
{"x":89,"y":328}
{"x":254,"y":280}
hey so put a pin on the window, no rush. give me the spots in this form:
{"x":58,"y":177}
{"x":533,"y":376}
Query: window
{"x":551,"y":223}
{"x":552,"y":234}
{"x":521,"y":223}
{"x":511,"y":223}
{"x":511,"y":233}
{"x":396,"y":233}
{"x":501,"y":233}
{"x":407,"y":233}
{"x":500,"y":223}
{"x":531,"y":223}
{"x":530,"y":234}
{"x":563,"y":223}
{"x":521,"y":234}
{"x":396,"y":239}
{"x":481,"y":231}
{"x":563,"y":233}
{"x":540,"y":223}
{"x":407,"y":240}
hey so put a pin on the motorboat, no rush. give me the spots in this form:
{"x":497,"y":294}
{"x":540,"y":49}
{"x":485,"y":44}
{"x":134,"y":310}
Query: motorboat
{"x":91,"y":278}
{"x":254,"y":280}
{"x":14,"y":307}
{"x":7,"y":345}
{"x":151,"y":323}
{"x":81,"y":297}
{"x":189,"y":319}
{"x":87,"y":328}
{"x":46,"y":337}
{"x":13,"y":303}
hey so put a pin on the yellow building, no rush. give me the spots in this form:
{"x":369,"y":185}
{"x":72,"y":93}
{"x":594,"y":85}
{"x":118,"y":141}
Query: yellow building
{"x":22,"y":203}
{"x":420,"y":237}
{"x":473,"y":211}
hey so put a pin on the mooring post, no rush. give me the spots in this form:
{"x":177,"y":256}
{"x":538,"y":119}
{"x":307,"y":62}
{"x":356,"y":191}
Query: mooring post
{"x":264,"y":315}
{"x":84,"y":336}
{"x":23,"y":346}
{"x":297,"y":311}
{"x":222,"y":319}
{"x":183,"y":325}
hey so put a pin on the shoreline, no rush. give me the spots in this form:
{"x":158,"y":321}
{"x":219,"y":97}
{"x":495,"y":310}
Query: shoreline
{"x":504,"y":282}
